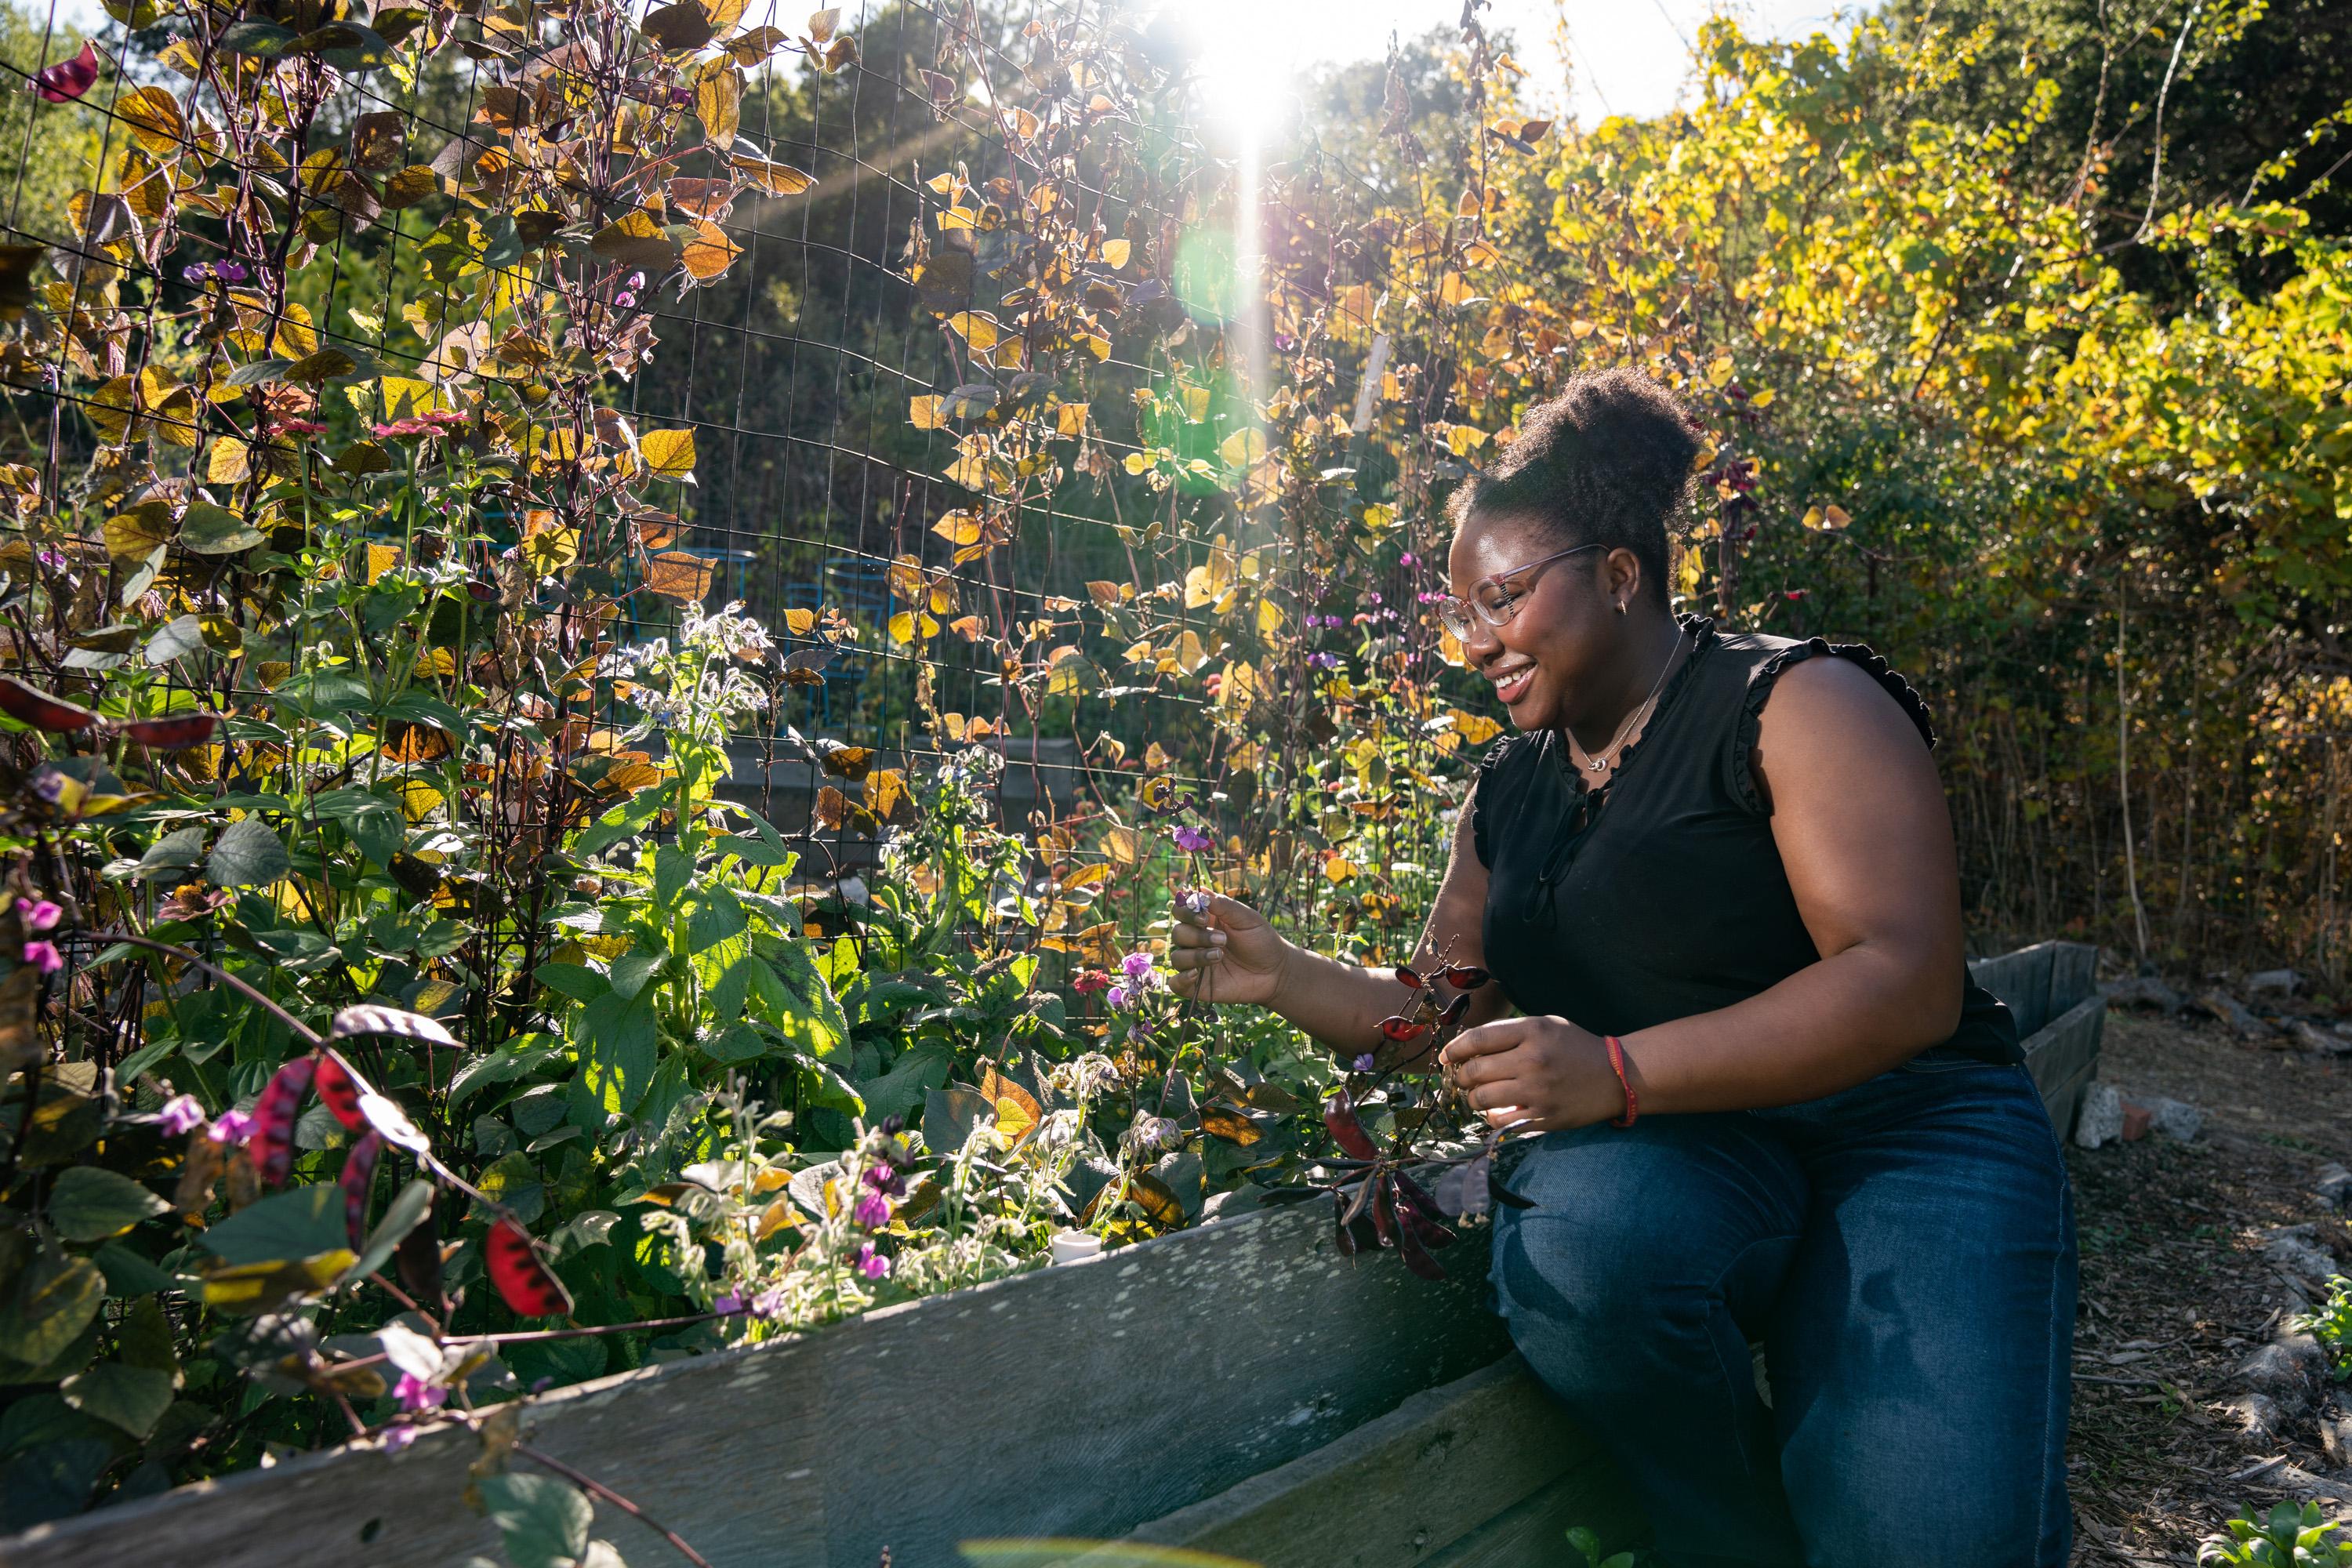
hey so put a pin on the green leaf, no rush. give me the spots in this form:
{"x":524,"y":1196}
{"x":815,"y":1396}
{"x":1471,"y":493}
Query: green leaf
{"x":619,"y":1049}
{"x":406,"y":1213}
{"x":247,"y":855}
{"x":737,"y":1042}
{"x":87,"y":1204}
{"x":302,"y":1223}
{"x":214,"y":531}
{"x":184,"y":635}
{"x":633,"y":969}
{"x":576,"y":981}
{"x":55,"y":1297}
{"x":265,"y":40}
{"x":131,"y":1397}
{"x":673,"y":869}
{"x":756,"y":851}
{"x":900,"y":1090}
{"x":127,"y":1273}
{"x":542,"y":1520}
{"x":803,"y":1006}
{"x":620,"y":821}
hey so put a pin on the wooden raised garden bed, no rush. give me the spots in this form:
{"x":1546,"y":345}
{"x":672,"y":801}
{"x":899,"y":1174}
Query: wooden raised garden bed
{"x":1240,"y":1388}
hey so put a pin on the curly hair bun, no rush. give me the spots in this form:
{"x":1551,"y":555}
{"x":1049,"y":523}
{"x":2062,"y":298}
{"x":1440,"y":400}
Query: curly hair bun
{"x":1607,"y":462}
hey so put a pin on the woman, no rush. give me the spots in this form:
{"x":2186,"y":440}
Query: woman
{"x":1713,"y":875}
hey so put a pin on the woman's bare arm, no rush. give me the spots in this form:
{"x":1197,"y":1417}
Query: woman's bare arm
{"x":1229,"y":953}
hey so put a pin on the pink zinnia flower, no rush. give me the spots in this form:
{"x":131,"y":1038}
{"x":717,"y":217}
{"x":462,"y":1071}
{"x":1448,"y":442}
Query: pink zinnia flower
{"x":46,"y":955}
{"x":181,"y":1115}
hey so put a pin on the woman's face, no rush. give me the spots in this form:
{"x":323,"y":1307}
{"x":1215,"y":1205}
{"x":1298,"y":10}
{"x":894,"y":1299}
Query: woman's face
{"x":1543,"y":661}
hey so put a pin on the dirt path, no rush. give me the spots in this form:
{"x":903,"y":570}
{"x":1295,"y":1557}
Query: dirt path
{"x":2177,"y":1292}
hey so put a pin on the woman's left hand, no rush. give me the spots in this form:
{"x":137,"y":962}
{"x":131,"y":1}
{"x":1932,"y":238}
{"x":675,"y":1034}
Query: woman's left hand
{"x":1535,"y":1074}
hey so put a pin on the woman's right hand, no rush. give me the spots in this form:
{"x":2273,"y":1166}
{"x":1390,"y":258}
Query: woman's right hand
{"x":1223,"y":950}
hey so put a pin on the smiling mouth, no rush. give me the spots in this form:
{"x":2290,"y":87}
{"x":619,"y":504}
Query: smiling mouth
{"x":1512,"y":684}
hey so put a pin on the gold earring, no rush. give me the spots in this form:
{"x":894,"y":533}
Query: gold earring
{"x":1621,"y":606}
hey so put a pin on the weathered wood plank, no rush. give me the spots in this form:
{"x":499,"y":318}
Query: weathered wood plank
{"x":1399,"y":1489}
{"x":2021,"y":979}
{"x":2064,"y":1058}
{"x":1117,"y":1391}
{"x":2073,"y":974}
{"x":1533,"y":1532}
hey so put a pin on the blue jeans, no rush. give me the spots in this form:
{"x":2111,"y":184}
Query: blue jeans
{"x":1904,"y":1249}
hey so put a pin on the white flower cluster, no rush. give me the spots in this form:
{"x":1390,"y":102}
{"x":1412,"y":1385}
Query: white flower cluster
{"x":695,"y":688}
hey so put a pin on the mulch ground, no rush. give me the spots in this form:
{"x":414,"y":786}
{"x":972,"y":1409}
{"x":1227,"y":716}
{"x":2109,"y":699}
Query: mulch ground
{"x":2176,"y":1291}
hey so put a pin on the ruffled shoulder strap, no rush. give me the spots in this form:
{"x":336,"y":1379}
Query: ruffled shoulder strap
{"x":1501,"y":773}
{"x":1759,"y":691}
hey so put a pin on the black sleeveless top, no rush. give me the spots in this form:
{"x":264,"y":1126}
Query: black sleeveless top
{"x":1661,"y":894}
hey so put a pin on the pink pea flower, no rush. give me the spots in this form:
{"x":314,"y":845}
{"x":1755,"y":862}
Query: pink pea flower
{"x":1193,"y":902}
{"x":872,"y":1264}
{"x":398,"y":1438}
{"x":1363,"y":1063}
{"x":181,"y":1115}
{"x":727,"y":1305}
{"x":232,"y":1127}
{"x":768,"y":1303}
{"x":1118,"y":997}
{"x":414,"y":1393}
{"x":1190,"y":839}
{"x":1136,"y":967}
{"x":1408,"y":559}
{"x":872,"y":1211}
{"x":46,"y":955}
{"x":40,"y":915}
{"x":627,"y":299}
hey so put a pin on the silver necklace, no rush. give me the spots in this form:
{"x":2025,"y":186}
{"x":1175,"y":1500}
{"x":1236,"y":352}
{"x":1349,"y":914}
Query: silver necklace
{"x":1599,"y":762}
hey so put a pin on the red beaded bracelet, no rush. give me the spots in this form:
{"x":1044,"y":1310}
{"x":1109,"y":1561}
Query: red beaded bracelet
{"x":1617,"y":1065}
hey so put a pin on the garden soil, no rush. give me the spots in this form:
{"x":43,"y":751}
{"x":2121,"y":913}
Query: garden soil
{"x":2176,"y":1291}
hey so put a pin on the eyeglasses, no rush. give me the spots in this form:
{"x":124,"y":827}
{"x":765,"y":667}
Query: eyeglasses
{"x":1495,"y":603}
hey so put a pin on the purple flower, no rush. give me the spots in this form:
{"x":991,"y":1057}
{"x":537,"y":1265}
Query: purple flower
{"x":1193,"y":902}
{"x":233,"y":1127}
{"x":229,"y":271}
{"x":768,"y":1303}
{"x":636,"y":280}
{"x":398,"y":1438}
{"x":872,"y":1264}
{"x":41,"y":914}
{"x":55,"y":560}
{"x":627,"y":299}
{"x":414,"y":1393}
{"x":1372,"y":598}
{"x":727,"y":1306}
{"x":1190,"y":839}
{"x":46,"y":955}
{"x":872,"y":1211}
{"x":1408,"y":559}
{"x":1363,"y":1063}
{"x":1136,"y":967}
{"x":1116,"y":996}
{"x":181,"y":1115}
{"x":884,"y":1179}
{"x":1324,"y":660}
{"x":1428,"y":598}
{"x":199,"y":273}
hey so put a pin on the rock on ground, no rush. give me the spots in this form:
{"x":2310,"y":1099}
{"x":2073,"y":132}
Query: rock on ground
{"x":2102,"y":1119}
